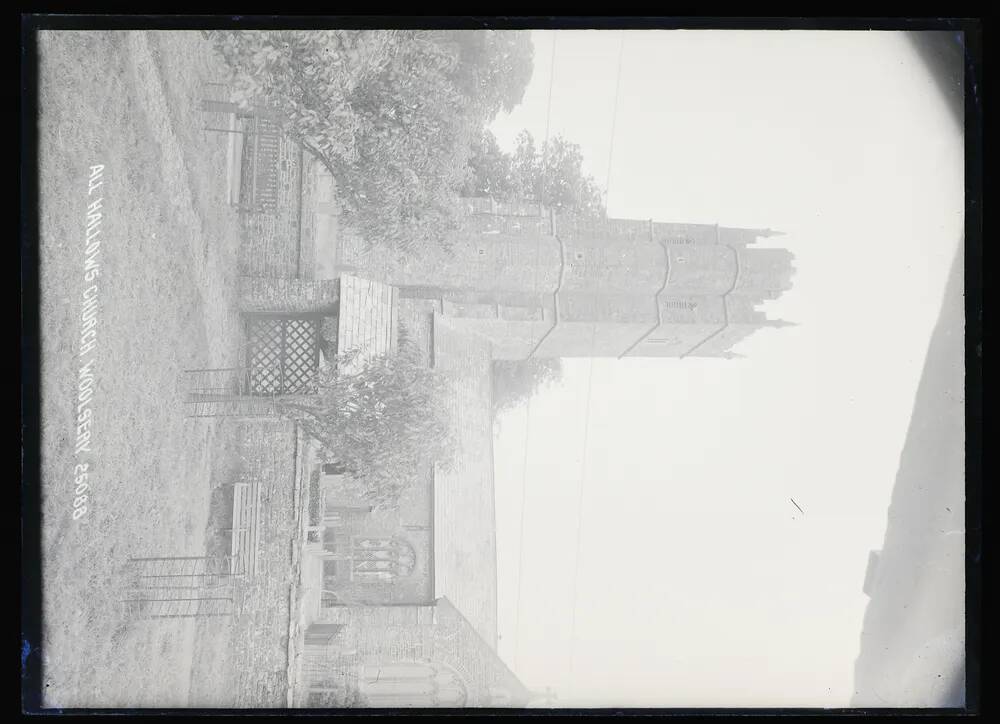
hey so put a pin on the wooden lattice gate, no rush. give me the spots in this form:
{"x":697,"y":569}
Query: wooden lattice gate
{"x":282,"y":354}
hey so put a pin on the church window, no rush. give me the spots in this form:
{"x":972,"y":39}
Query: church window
{"x":679,"y":304}
{"x":382,"y":558}
{"x":412,"y":683}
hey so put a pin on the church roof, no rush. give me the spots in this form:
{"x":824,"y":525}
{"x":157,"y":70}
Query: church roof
{"x":464,"y":514}
{"x":456,"y":639}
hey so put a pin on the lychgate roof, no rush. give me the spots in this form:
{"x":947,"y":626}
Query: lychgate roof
{"x":367,"y":317}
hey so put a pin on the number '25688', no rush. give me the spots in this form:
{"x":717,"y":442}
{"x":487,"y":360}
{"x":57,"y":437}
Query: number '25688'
{"x":80,"y":476}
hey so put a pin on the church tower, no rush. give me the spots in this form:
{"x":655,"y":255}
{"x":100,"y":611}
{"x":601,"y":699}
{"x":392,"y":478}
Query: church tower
{"x":543,"y":284}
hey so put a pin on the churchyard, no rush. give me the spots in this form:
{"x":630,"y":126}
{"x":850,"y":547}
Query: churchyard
{"x":146,"y":481}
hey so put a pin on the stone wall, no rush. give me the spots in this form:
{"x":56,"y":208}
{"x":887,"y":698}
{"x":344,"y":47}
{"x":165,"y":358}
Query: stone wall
{"x":258,"y":294}
{"x":267,"y":448}
{"x":242,"y":662}
{"x":271,"y":242}
{"x":307,"y":219}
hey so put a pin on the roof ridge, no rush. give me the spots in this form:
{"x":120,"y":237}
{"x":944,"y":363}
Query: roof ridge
{"x":496,"y":654}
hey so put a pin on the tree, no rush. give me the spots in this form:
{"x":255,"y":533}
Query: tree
{"x":390,"y":114}
{"x":416,"y":127}
{"x":493,"y":172}
{"x":494,"y":66}
{"x":514,"y":381}
{"x":551,"y":175}
{"x":557,"y":179}
{"x":386,"y":422}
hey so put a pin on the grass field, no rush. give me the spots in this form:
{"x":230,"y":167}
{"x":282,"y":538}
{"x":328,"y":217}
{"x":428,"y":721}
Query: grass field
{"x":128,"y":101}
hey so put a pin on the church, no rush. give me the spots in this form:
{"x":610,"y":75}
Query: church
{"x":400,"y":606}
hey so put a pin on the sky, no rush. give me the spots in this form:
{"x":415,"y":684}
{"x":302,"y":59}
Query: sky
{"x":665,"y":564}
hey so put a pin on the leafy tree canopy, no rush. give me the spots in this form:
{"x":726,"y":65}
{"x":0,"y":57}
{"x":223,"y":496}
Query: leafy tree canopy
{"x":514,"y":381}
{"x":551,"y":175}
{"x":392,"y":114}
{"x":386,"y":422}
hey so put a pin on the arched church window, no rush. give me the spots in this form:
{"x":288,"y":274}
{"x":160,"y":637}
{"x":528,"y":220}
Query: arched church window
{"x":412,"y":683}
{"x":382,"y":558}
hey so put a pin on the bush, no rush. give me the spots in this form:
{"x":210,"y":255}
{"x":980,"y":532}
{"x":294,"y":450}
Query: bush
{"x":391,"y":114}
{"x":387,"y":423}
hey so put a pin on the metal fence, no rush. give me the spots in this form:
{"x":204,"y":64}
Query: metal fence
{"x":224,"y":392}
{"x":180,"y":587}
{"x":328,"y":678}
{"x":260,"y":173}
